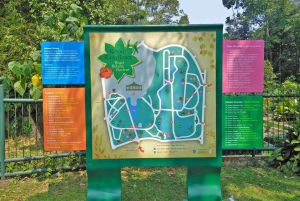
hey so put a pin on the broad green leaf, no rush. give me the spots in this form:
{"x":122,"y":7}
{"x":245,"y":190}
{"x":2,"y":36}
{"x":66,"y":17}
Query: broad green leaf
{"x":37,"y":68}
{"x":297,"y":148}
{"x":276,"y":151}
{"x":72,"y":27}
{"x":84,"y":20}
{"x":279,"y":158}
{"x":62,"y":16}
{"x":295,"y":169}
{"x":5,"y":82}
{"x":295,"y":141}
{"x":284,"y":168}
{"x":289,"y":164}
{"x":75,"y":7}
{"x":15,"y":67}
{"x":293,"y":158}
{"x":50,"y":20}
{"x":36,"y":55}
{"x":36,"y":92}
{"x":71,"y":19}
{"x":271,"y":158}
{"x":61,"y":26}
{"x":19,"y":87}
{"x":287,"y":154}
{"x":26,"y":69}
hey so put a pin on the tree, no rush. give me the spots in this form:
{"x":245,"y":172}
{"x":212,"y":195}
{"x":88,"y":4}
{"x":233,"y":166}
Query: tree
{"x":276,"y":22}
{"x":25,"y":24}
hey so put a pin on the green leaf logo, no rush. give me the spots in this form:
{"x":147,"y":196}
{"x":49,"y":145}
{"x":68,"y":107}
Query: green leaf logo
{"x":120,"y":59}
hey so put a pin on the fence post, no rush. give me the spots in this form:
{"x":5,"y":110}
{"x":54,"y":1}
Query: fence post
{"x":2,"y":133}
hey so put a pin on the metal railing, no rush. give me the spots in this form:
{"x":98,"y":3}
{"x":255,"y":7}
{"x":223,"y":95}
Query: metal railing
{"x":21,"y":140}
{"x":21,"y":134}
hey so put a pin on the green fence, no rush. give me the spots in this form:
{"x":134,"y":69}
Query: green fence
{"x":21,"y":133}
{"x":21,"y":140}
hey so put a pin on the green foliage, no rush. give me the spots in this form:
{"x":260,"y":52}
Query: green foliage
{"x":277,"y":23}
{"x":27,"y":132}
{"x":66,"y":25}
{"x":28,"y":23}
{"x":286,"y":110}
{"x":269,"y":75}
{"x":290,"y":87}
{"x":287,"y":157}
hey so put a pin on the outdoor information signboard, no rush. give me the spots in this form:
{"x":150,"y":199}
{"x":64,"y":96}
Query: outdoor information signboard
{"x":242,"y":121}
{"x":64,"y":119}
{"x":63,"y":108}
{"x":152,"y":96}
{"x":62,"y":63}
{"x":243,"y":72}
{"x":243,"y":66}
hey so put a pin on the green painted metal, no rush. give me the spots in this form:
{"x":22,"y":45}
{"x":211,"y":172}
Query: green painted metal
{"x":204,"y":173}
{"x":43,"y":170}
{"x":18,"y":100}
{"x":2,"y":133}
{"x":104,"y":184}
{"x":8,"y":160}
{"x":203,"y":183}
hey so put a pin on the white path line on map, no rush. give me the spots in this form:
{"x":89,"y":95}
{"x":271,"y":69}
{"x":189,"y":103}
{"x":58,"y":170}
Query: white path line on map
{"x":113,"y":107}
{"x":150,"y":99}
{"x":188,"y":136}
{"x":165,"y":81}
{"x":172,"y":95}
{"x":123,"y":105}
{"x":147,"y":102}
{"x":185,"y":78}
{"x":197,"y":79}
{"x":164,"y":67}
{"x":151,"y":134}
{"x":192,"y":97}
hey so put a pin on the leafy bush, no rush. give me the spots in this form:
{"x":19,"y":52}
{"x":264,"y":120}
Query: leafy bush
{"x":286,"y":110}
{"x":287,"y":157}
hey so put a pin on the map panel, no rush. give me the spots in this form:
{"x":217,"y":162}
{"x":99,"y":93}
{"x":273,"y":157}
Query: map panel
{"x":153,"y":97}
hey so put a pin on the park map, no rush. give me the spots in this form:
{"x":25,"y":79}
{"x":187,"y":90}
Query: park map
{"x":162,"y":95}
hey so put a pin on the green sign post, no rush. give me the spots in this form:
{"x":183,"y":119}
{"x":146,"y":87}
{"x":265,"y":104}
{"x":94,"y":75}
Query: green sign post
{"x":153,"y":98}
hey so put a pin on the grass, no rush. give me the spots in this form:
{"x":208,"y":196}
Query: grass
{"x":161,"y":184}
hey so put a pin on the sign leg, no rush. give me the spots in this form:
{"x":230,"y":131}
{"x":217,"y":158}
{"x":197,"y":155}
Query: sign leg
{"x":104,"y":185}
{"x":203,"y":183}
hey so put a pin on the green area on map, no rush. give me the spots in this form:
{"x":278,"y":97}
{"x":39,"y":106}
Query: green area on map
{"x":164,"y":101}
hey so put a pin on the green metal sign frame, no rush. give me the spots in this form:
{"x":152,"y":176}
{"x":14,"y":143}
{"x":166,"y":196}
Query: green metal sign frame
{"x":104,"y":175}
